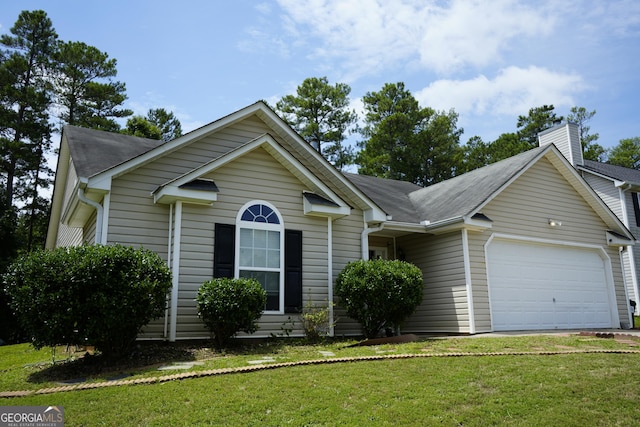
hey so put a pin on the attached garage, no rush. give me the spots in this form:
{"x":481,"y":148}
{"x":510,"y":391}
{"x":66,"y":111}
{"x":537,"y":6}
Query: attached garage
{"x":534,"y":286}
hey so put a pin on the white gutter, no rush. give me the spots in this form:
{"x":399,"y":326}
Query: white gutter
{"x":467,"y":278}
{"x":364,"y":238}
{"x":99,"y":214}
{"x":175,"y":271}
{"x":622,"y":189}
{"x":330,"y":273}
{"x":166,"y":310}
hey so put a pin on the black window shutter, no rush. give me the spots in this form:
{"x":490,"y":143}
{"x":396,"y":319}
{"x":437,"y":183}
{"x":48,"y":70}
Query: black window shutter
{"x":636,"y":208}
{"x":224,"y":250}
{"x":292,"y":271}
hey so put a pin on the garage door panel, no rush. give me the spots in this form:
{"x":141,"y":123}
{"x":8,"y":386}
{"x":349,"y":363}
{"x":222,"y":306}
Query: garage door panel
{"x":534,"y":286}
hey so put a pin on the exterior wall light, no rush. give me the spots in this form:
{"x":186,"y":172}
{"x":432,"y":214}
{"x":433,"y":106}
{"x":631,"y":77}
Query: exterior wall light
{"x":554,"y":223}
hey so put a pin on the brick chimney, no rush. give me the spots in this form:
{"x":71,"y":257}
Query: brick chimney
{"x":566,"y":138}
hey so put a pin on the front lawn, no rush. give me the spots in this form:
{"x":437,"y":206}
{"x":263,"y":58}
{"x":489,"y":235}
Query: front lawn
{"x":559,"y":389}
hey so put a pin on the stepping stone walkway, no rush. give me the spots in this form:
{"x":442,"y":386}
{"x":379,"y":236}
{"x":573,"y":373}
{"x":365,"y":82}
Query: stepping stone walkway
{"x":180,"y":366}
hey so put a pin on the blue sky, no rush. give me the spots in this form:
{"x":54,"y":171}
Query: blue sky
{"x":490,"y":61}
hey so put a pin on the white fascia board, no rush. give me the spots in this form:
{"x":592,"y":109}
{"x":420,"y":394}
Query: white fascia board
{"x":314,"y":209}
{"x":170,"y":194}
{"x":374,"y":216}
{"x":454,"y":224}
{"x":265,"y":141}
{"x":613,"y":240}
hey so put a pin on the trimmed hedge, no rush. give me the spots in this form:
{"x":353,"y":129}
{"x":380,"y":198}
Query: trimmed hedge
{"x":228,"y":306}
{"x":88,"y":295}
{"x":379,"y":293}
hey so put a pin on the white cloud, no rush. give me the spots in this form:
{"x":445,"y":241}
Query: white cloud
{"x":368,"y":35}
{"x":513,"y":91}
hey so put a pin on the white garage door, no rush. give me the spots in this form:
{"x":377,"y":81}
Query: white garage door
{"x":534,"y":286}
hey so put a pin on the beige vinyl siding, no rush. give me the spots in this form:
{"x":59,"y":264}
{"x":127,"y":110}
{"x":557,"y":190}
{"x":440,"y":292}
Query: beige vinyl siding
{"x":523,"y":209}
{"x":346,"y":248}
{"x":609,"y":194}
{"x":255,"y":176}
{"x":72,"y":181}
{"x":89,"y":230}
{"x":444,"y":307}
{"x":68,"y":236}
{"x":133,"y":218}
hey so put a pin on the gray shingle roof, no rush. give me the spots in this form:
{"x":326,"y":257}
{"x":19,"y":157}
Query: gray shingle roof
{"x":453,"y":198}
{"x":619,"y":173}
{"x":390,"y":195}
{"x":94,"y":151}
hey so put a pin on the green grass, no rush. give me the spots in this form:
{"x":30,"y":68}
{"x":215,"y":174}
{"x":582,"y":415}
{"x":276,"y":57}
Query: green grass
{"x":567,"y":389}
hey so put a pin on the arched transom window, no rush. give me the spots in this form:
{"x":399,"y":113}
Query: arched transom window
{"x":260,"y":252}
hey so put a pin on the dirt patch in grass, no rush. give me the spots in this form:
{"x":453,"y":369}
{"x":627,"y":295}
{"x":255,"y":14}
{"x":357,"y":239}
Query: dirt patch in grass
{"x":85,"y":366}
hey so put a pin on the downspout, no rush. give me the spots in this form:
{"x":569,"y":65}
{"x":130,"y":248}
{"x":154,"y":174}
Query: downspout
{"x":631,"y":250}
{"x":330,"y":274}
{"x":166,"y":309}
{"x":99,"y":214}
{"x":364,"y":238}
{"x":631,"y":314}
{"x":175,"y":271}
{"x":467,"y":277}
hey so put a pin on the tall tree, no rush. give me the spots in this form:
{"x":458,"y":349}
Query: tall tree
{"x":103,"y":105}
{"x":591,"y":150}
{"x":83,"y":73}
{"x":390,"y":119}
{"x":407,"y":142}
{"x":167,"y":122}
{"x":626,"y":153}
{"x":140,"y":126}
{"x":319,"y":112}
{"x":26,"y":96}
{"x":538,"y":119}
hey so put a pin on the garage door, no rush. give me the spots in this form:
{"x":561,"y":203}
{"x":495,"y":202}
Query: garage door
{"x":533,"y":286}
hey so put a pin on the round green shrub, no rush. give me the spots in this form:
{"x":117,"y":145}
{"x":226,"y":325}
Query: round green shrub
{"x":88,"y":295}
{"x":379,"y":293}
{"x":228,"y":306}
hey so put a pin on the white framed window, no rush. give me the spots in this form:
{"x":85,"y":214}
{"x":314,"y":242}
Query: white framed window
{"x":260,"y":250}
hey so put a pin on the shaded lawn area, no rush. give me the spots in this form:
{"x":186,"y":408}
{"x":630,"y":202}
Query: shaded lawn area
{"x":564,"y":389}
{"x":584,"y":389}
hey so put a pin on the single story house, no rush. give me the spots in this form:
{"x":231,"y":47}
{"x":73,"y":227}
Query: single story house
{"x":522,"y":244}
{"x":617,"y":186}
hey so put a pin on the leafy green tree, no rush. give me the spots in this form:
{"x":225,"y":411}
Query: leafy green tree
{"x":475,"y":154}
{"x":103,"y":105}
{"x":626,"y":153}
{"x":390,"y":118}
{"x":538,"y":119}
{"x":320,"y":113}
{"x":140,"y":126}
{"x":591,"y":150}
{"x":82,"y":73}
{"x":406,"y":142}
{"x":25,"y":98}
{"x":167,"y":122}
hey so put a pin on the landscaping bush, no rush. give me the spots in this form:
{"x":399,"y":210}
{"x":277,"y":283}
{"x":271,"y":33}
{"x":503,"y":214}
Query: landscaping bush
{"x":228,"y":306}
{"x":88,"y":295}
{"x":315,"y":321}
{"x":379,"y":293}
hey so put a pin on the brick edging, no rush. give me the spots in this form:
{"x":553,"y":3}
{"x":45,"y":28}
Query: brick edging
{"x":251,"y":368}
